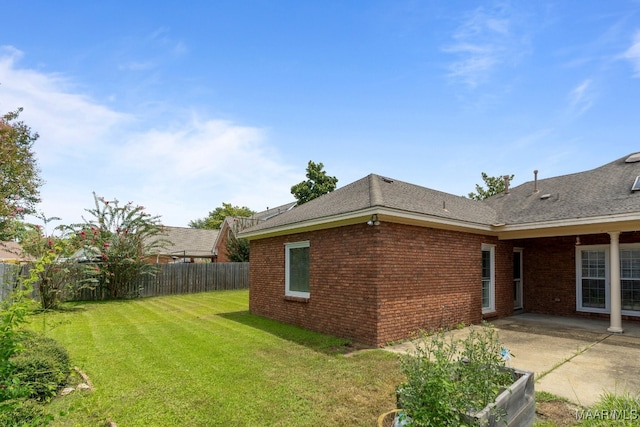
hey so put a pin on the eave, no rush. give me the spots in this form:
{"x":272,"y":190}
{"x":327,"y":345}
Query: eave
{"x":563,"y":227}
{"x":570,"y":227}
{"x":362,"y":216}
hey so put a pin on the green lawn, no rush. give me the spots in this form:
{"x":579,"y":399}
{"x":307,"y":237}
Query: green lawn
{"x":203,"y":360}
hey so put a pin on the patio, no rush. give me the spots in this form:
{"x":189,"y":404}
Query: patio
{"x":571,"y":357}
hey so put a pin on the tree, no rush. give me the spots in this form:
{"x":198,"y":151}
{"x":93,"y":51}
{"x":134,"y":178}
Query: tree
{"x":317,"y":184}
{"x":19,"y":172}
{"x":495,"y":185}
{"x":120,"y":238}
{"x":237,"y":249}
{"x":215,"y":218}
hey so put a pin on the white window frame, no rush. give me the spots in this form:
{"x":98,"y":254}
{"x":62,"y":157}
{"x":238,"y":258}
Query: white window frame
{"x":287,"y":290}
{"x":628,"y":246}
{"x":607,"y":260}
{"x":607,"y":279}
{"x":492,"y":286}
{"x":520,"y":285}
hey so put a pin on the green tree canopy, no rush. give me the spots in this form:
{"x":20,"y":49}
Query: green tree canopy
{"x":19,"y":173}
{"x":214,"y":220}
{"x":237,"y":249}
{"x":317,"y":184}
{"x":494,"y":184}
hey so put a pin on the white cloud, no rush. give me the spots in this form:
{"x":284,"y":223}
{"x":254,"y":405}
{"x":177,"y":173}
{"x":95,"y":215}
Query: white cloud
{"x":581,"y":98}
{"x":633,"y":54}
{"x":484,"y":41}
{"x":180,"y":170}
{"x":69,"y":124}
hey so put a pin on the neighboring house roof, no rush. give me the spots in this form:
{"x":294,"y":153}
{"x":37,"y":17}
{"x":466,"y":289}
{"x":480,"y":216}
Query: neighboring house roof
{"x":598,"y":200}
{"x":12,"y":252}
{"x":273,"y":212}
{"x":188,"y":242}
{"x":237,"y":224}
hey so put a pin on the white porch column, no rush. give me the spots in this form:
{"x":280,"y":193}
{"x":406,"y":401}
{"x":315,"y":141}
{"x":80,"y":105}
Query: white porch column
{"x":615,"y":287}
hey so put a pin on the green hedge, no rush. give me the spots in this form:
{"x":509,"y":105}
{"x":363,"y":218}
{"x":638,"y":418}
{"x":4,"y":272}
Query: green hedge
{"x":43,"y":366}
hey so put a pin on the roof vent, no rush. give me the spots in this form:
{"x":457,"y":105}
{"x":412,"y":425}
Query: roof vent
{"x":633,"y":158}
{"x":387,"y":180}
{"x":636,"y":184}
{"x":545,"y":196}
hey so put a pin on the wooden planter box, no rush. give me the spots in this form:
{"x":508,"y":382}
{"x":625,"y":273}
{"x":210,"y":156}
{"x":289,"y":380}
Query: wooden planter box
{"x":517,"y":402}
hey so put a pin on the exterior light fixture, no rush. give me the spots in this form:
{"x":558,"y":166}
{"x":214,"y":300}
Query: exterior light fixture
{"x":373,"y":220}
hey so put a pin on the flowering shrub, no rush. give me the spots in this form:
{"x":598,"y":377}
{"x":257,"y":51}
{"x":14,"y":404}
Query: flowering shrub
{"x":117,"y":240}
{"x":56,"y":276}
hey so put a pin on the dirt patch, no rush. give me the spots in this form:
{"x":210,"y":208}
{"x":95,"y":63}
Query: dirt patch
{"x":561,"y":413}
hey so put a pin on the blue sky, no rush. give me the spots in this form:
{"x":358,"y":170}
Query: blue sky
{"x":181,"y":106}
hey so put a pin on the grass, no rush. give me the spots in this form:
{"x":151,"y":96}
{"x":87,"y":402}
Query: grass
{"x":203,"y":360}
{"x":612,"y":409}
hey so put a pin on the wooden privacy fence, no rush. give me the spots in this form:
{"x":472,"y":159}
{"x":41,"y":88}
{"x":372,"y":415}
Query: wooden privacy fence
{"x":8,"y":278}
{"x":170,"y":279}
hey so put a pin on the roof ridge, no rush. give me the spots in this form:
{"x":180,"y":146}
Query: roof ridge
{"x":375,"y":193}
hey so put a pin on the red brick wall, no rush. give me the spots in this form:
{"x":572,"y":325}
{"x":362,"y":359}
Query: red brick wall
{"x":342,"y":282}
{"x":549,"y":275}
{"x":222,"y":243}
{"x":383,"y":283}
{"x":432,"y":278}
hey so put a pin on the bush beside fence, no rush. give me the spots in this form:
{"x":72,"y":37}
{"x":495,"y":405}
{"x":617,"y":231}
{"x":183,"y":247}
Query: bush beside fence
{"x":170,"y":279}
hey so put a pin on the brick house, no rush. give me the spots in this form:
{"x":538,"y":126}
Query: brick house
{"x":233,"y":225}
{"x":380,"y":259}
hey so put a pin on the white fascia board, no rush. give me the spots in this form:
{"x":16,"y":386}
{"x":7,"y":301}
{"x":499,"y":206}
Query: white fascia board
{"x":362,"y":216}
{"x":567,"y":227}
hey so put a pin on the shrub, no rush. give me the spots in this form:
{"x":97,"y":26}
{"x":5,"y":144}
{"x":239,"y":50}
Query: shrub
{"x":23,"y":412}
{"x":447,"y":378}
{"x":13,"y":314}
{"x":43,"y":366}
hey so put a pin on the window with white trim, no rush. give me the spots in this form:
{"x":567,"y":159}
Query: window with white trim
{"x":488,"y":278}
{"x":297,"y":269}
{"x":630,"y":278}
{"x":593,"y":278}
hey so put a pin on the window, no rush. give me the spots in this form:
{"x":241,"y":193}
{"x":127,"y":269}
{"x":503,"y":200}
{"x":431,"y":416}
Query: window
{"x":630,"y":278}
{"x":593,"y":279}
{"x":488,"y":278}
{"x":297,"y":269}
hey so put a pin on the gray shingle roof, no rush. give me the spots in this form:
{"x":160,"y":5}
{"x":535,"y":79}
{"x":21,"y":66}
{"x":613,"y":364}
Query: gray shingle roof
{"x":603,"y":191}
{"x":596,"y":193}
{"x":193,"y":242}
{"x":377,"y":191}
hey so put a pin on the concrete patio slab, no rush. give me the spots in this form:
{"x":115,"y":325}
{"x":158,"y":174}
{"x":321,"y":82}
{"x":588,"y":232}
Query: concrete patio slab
{"x":571,"y":357}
